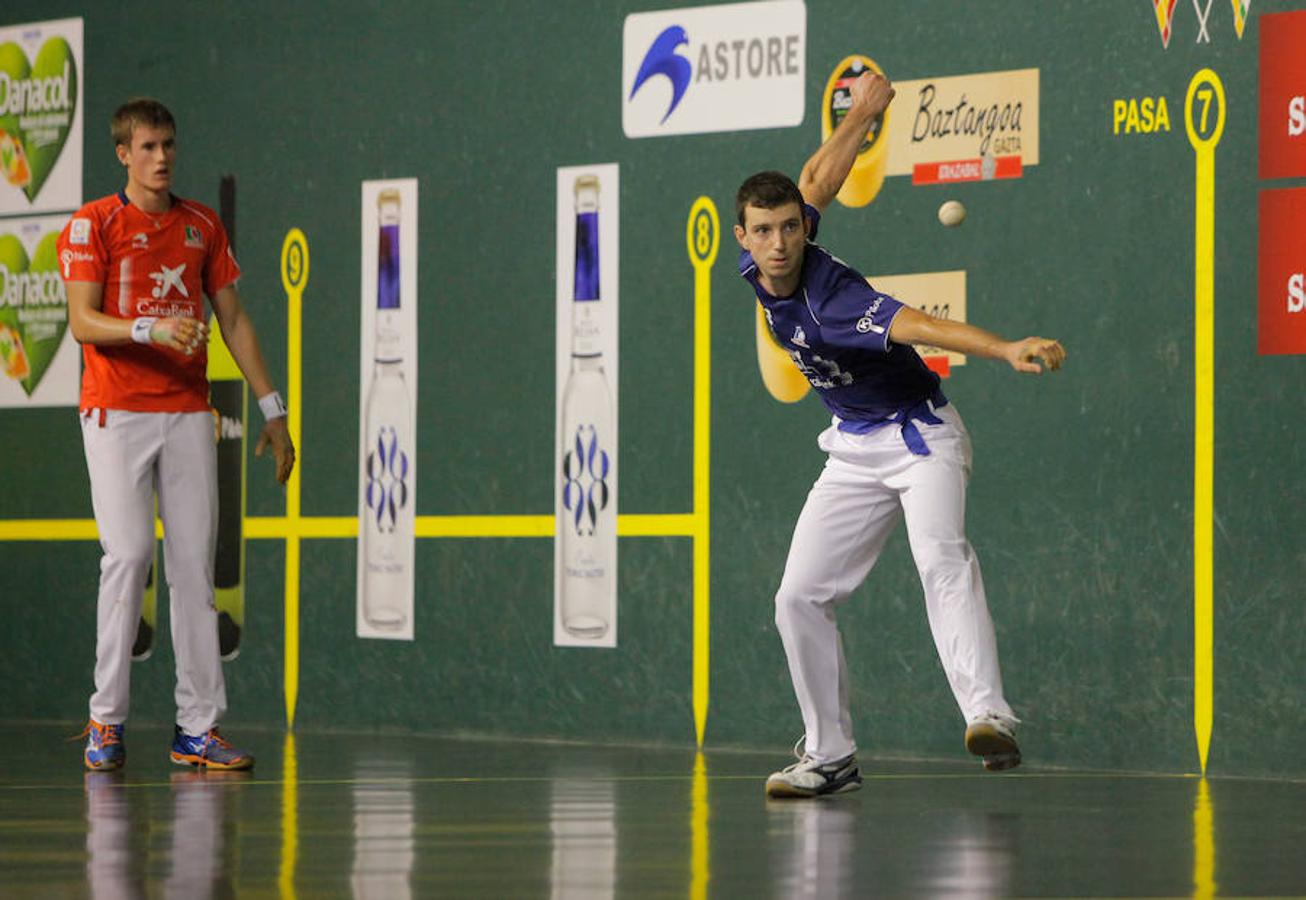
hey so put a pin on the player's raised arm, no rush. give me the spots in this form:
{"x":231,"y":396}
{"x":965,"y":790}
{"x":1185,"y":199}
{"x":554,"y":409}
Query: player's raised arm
{"x":825,"y":171}
{"x":911,"y":326}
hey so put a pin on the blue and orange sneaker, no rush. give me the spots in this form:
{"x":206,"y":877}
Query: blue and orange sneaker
{"x":209,"y":750}
{"x":104,"y":747}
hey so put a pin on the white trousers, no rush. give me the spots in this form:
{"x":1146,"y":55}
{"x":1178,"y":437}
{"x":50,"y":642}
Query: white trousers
{"x":869,"y":481}
{"x":130,"y":456}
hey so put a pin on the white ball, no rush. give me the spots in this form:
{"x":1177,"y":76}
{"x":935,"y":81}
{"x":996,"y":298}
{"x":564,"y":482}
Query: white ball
{"x":952,"y":213}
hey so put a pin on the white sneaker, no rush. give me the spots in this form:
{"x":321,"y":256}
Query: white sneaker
{"x":808,"y":778}
{"x":993,"y":739}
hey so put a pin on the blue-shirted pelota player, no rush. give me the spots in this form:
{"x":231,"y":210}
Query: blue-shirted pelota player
{"x":896,"y":449}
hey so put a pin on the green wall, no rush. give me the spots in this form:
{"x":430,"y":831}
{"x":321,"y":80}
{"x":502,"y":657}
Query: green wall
{"x":1081,"y":501}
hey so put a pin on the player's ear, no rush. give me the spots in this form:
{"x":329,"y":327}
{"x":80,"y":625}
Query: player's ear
{"x":807,"y":225}
{"x":739,"y":236}
{"x":123,"y":152}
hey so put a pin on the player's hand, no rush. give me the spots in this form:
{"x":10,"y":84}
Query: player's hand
{"x":180,"y":334}
{"x":1022,"y":355}
{"x":872,"y":92}
{"x":277,"y":436}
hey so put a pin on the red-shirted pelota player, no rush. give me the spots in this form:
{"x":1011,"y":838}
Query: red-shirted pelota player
{"x":137,"y":265}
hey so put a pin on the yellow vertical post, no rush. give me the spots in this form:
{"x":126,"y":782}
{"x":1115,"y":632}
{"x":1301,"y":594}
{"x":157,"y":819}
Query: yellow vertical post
{"x":703,"y":238}
{"x":294,"y":276}
{"x":1204,"y":112}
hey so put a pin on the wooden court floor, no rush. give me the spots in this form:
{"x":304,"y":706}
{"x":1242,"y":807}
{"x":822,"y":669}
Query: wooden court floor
{"x":386,"y":816}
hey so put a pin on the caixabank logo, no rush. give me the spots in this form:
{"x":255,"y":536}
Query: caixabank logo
{"x":733,"y":67}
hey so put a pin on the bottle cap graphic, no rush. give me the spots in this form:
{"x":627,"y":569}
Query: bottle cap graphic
{"x":387,"y":271}
{"x":585,"y":282}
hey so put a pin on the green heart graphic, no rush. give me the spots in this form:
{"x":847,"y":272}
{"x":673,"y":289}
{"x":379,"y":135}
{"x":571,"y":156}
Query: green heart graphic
{"x":33,"y":309}
{"x":37,"y":104}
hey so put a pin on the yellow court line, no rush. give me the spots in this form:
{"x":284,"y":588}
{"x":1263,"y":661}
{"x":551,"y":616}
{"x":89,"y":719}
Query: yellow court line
{"x":49,"y":530}
{"x":280,"y":527}
{"x":656,"y":525}
{"x":1204,"y":133}
{"x":305,"y":527}
{"x":703,"y":239}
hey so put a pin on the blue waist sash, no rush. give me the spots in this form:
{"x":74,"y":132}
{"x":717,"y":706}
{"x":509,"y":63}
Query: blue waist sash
{"x":906,"y":418}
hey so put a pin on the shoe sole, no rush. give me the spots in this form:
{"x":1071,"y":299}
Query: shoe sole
{"x":998,"y":751}
{"x":781,"y":790}
{"x":181,"y":759}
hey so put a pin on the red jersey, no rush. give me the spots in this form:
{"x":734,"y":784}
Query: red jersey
{"x":150,"y":265}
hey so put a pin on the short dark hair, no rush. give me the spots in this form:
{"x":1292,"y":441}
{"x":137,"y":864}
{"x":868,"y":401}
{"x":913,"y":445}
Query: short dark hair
{"x":767,"y":190}
{"x":139,"y":111}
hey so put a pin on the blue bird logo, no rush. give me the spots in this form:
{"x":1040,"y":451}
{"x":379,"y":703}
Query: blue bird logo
{"x":661,"y":59}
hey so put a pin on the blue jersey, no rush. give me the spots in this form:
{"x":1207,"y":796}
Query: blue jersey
{"x":836,"y":328}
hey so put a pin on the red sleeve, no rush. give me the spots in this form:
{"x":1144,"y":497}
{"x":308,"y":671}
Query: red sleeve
{"x":82,"y":256}
{"x":220,"y":268}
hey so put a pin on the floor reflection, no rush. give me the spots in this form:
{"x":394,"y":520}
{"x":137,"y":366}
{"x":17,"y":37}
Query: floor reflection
{"x":383,"y":829}
{"x":1204,"y":883}
{"x":200,"y":856}
{"x":699,"y":841}
{"x":582,"y":823}
{"x":116,"y":835}
{"x":814,"y":842}
{"x":822,"y":848}
{"x":973,"y":855}
{"x":202,"y":853}
{"x":357,"y":816}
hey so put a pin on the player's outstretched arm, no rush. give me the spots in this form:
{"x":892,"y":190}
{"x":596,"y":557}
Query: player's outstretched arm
{"x":911,"y":326}
{"x":825,"y":171}
{"x":242,"y":341}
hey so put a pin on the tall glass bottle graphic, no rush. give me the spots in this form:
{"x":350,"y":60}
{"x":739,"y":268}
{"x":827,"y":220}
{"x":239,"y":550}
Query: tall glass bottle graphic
{"x":586,"y":515}
{"x":387,"y":510}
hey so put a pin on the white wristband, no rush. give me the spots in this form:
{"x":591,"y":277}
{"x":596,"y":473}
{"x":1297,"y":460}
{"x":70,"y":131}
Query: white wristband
{"x":141,"y":328}
{"x":272,"y":405}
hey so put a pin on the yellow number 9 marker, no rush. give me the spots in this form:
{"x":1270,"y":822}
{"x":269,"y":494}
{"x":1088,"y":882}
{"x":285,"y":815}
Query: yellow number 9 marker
{"x":294,"y":262}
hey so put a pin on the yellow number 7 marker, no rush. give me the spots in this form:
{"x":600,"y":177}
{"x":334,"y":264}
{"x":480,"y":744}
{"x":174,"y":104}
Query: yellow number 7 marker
{"x":1204,"y":126}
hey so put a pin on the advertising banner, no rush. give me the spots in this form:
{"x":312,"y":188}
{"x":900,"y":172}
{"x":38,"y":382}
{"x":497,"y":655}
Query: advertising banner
{"x":1283,"y":95}
{"x":41,"y":90}
{"x":731,"y":67}
{"x":40,"y":363}
{"x":1281,"y":319}
{"x":387,"y":415}
{"x":964,"y":127}
{"x":585,"y":465}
